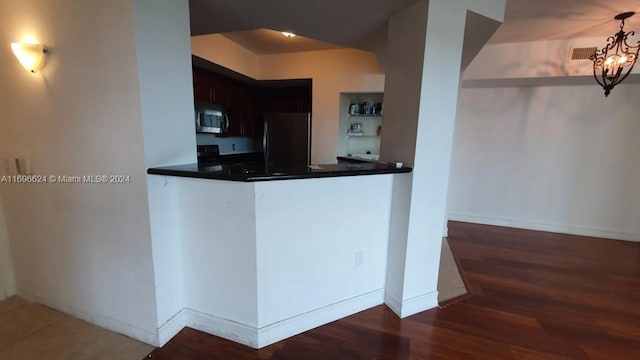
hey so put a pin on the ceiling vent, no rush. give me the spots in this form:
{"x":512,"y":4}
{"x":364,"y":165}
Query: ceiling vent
{"x":584,"y":53}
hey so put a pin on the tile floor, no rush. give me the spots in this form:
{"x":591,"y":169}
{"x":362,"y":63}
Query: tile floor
{"x":450,"y":283}
{"x":31,"y":331}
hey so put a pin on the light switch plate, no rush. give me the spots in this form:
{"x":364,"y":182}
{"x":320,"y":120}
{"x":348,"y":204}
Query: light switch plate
{"x":23,"y":166}
{"x":6,"y":167}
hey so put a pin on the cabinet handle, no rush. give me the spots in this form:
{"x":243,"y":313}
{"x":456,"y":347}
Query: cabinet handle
{"x":214,"y":95}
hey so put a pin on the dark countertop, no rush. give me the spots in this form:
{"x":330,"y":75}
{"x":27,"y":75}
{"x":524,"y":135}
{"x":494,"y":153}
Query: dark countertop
{"x":354,"y":159}
{"x":259,"y":173}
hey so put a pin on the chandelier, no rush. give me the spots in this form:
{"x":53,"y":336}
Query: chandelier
{"x":613,"y":63}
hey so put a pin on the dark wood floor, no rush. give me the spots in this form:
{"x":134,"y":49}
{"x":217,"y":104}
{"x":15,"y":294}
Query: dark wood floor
{"x":535,"y":296}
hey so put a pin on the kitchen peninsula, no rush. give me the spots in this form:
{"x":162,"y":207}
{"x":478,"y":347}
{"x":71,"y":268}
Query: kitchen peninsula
{"x":261,"y":173}
{"x":265,"y":260}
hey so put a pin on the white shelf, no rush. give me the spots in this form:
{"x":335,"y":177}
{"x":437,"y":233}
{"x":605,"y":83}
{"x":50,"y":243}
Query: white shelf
{"x":367,"y":140}
{"x":365,"y":115}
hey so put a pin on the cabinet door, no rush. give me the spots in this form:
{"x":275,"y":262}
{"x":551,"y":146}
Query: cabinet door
{"x":222,"y":88}
{"x":269,"y":100}
{"x":249,"y":111}
{"x":242,"y":112}
{"x":236,"y":111}
{"x":287,"y":99}
{"x":202,"y":85}
{"x":301,"y":96}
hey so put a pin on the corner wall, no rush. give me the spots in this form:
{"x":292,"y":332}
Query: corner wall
{"x":421,"y":97}
{"x":84,"y":249}
{"x":538,"y":145}
{"x":220,"y":50}
{"x":552,"y":158}
{"x":166,"y":101}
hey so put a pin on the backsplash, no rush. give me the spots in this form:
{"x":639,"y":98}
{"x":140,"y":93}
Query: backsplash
{"x":229,"y":145}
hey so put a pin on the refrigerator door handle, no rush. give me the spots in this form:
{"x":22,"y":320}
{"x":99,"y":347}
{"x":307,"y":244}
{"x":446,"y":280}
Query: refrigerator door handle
{"x":308,"y":138}
{"x":265,"y":143}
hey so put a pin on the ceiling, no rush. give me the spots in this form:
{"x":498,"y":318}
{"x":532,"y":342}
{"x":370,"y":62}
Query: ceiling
{"x":346,"y":23}
{"x":355,"y":23}
{"x":265,"y":42}
{"x":532,"y":20}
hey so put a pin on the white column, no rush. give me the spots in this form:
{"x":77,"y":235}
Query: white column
{"x":163,"y":51}
{"x":421,"y":92}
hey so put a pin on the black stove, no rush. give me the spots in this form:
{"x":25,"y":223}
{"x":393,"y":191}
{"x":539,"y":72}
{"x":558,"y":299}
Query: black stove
{"x":208,"y":154}
{"x":210,"y":160}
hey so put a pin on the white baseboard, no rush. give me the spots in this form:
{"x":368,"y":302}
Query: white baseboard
{"x":286,"y":328}
{"x":267,"y":335}
{"x":393,"y":303}
{"x":546,"y":226}
{"x":106,"y":322}
{"x":412,"y":306}
{"x":224,"y":328}
{"x":170,"y":328}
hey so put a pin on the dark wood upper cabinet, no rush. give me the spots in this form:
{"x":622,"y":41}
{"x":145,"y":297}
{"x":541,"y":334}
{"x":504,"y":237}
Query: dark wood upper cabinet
{"x":222,"y":90}
{"x":242,"y":110}
{"x":247,"y":99}
{"x":211,"y":87}
{"x":286,"y":96}
{"x":202,"y":85}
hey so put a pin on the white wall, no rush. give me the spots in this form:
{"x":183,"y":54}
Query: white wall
{"x":535,"y":59}
{"x":539,"y":146}
{"x":219,"y":241}
{"x":422,"y":81}
{"x":220,"y":50}
{"x":406,"y":45}
{"x":535,"y":63}
{"x":162,"y":37}
{"x":164,"y":69}
{"x":560,"y":158}
{"x":308,"y":234}
{"x":80,"y":248}
{"x":332,"y":71}
{"x":7,"y":279}
{"x":259,"y":266}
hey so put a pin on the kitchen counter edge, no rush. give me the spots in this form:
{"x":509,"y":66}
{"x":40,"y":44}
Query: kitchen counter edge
{"x":192,"y":171}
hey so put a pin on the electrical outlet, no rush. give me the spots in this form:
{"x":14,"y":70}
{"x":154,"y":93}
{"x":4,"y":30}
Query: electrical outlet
{"x":233,"y":147}
{"x":359,"y":258}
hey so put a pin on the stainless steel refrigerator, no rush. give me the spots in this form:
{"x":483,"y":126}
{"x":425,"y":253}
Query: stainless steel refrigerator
{"x":287,"y":140}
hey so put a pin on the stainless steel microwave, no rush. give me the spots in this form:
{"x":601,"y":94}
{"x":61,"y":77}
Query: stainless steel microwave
{"x":211,"y":119}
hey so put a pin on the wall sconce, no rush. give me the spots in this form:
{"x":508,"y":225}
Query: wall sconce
{"x":613,"y":63}
{"x":31,"y":56}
